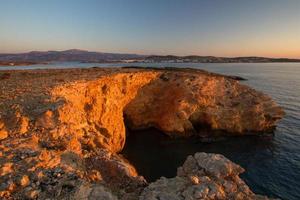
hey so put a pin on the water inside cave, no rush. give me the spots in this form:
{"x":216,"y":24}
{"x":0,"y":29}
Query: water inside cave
{"x":155,"y":154}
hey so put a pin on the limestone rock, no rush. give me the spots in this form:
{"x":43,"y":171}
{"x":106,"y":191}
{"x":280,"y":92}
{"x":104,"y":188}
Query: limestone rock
{"x":24,"y":181}
{"x":217,"y":165}
{"x":62,"y":136}
{"x":95,"y":109}
{"x":3,"y":132}
{"x":180,"y":103}
{"x":183,"y":103}
{"x":202,"y":176}
{"x":88,"y":191}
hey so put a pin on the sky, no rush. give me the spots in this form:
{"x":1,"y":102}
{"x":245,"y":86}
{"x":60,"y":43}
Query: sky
{"x":182,"y":27}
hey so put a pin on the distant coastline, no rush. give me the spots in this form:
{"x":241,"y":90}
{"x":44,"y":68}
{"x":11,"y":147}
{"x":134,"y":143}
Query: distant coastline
{"x":19,"y":63}
{"x":75,"y":55}
{"x":213,"y":59}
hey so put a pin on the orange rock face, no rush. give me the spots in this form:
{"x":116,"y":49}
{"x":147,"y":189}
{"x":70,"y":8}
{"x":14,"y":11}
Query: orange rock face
{"x":178,"y":102}
{"x":182,"y":103}
{"x":94,"y":110}
{"x":61,"y":129}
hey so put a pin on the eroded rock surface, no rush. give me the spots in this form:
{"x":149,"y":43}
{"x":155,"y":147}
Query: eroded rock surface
{"x":202,"y":176}
{"x":178,"y":102}
{"x":181,"y":103}
{"x":94,"y":109}
{"x":60,"y":130}
{"x":30,"y":171}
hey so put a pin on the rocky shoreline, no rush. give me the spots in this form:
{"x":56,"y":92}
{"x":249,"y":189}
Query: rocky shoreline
{"x":61,"y":131}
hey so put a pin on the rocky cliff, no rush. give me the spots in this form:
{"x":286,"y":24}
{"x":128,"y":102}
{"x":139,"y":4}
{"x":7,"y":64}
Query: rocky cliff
{"x":63,"y":127}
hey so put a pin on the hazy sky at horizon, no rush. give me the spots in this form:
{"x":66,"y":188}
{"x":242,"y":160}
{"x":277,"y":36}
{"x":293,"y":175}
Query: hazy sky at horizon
{"x":202,"y":27}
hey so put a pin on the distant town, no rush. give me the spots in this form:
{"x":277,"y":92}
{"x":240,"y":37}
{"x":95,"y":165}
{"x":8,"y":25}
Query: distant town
{"x":75,"y":55}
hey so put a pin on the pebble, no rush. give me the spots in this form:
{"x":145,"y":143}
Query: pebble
{"x":195,"y":180}
{"x":24,"y":181}
{"x":32,"y":194}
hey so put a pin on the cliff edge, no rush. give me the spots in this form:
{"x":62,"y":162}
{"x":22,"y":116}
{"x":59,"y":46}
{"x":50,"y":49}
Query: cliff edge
{"x":61,"y":130}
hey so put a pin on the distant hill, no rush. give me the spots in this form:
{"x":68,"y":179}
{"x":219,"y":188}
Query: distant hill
{"x":68,"y":55}
{"x":212,"y":59}
{"x":87,"y":56}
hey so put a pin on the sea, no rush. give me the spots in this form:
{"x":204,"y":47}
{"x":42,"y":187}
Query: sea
{"x":272,"y":163}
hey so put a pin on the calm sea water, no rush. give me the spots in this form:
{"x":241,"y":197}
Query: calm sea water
{"x":272,"y":163}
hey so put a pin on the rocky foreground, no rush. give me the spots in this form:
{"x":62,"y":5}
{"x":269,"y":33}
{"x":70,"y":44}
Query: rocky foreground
{"x":61,"y":130}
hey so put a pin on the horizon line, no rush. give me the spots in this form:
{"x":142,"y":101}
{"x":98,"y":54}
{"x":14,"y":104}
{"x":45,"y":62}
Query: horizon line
{"x":95,"y":51}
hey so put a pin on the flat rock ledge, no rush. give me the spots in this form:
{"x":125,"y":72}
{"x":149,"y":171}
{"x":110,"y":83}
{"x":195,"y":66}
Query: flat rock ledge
{"x":61,"y":131}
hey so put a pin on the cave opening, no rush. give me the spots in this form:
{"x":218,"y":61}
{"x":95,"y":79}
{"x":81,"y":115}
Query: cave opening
{"x":154,"y":154}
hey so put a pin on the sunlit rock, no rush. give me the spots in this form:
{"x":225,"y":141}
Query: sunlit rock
{"x":61,"y":137}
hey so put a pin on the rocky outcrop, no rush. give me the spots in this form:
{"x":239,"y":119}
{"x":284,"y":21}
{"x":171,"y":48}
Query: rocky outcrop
{"x":35,"y":173}
{"x":60,"y":137}
{"x":178,"y":102}
{"x":94,"y":109}
{"x":29,"y":171}
{"x":202,"y":176}
{"x":184,"y":103}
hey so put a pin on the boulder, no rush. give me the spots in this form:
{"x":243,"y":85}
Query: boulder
{"x":202,"y":176}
